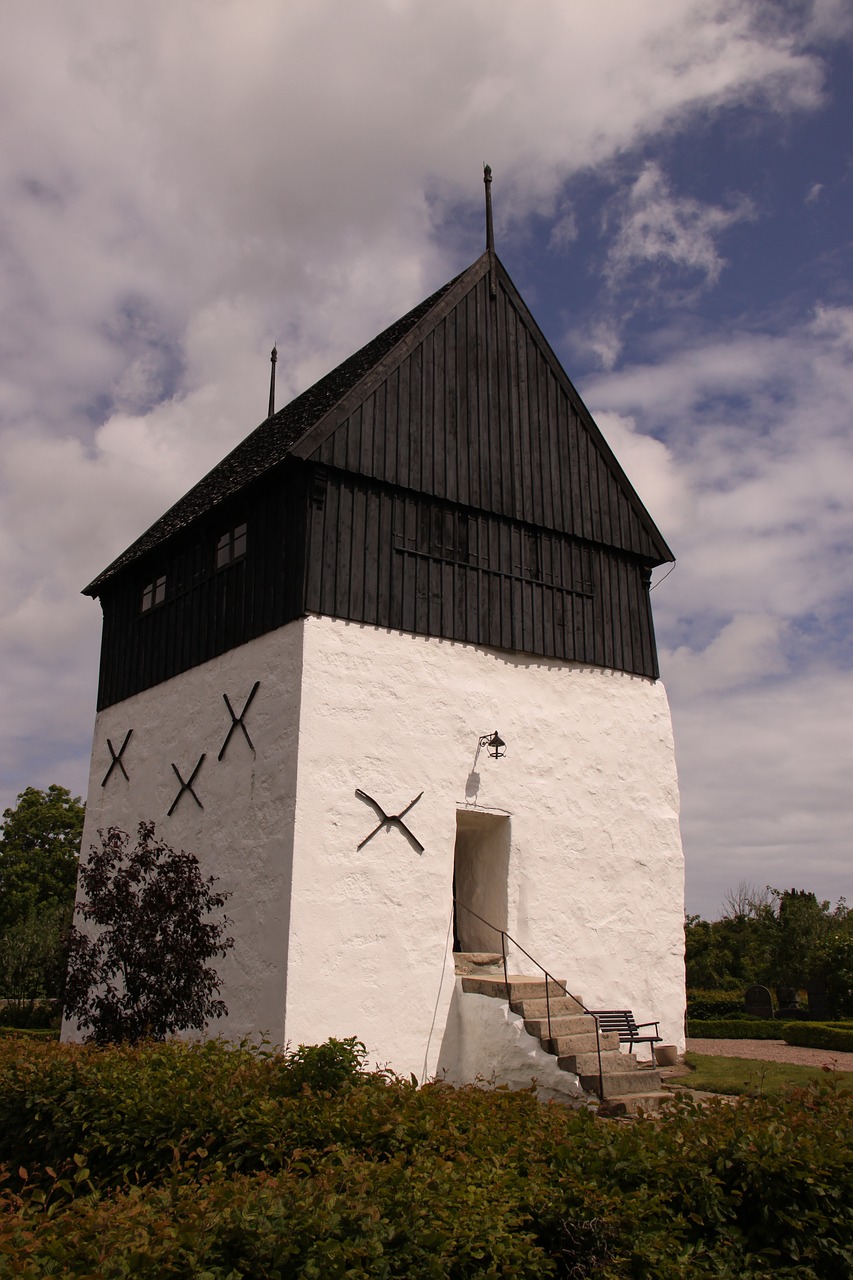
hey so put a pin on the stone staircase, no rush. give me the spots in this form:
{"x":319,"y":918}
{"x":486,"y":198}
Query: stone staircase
{"x":629,"y":1087}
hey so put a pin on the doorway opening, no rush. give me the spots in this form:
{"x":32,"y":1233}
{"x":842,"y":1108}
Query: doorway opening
{"x":480,"y":876}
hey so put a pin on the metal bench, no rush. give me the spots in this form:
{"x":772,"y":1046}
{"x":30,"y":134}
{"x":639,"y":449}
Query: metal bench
{"x":622,"y":1020}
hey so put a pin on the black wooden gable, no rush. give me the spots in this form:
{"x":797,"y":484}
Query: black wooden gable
{"x":445,"y":480}
{"x":472,"y":406}
{"x":461,"y":398}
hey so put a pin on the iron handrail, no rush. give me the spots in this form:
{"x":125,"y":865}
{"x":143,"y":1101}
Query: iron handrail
{"x":549,"y":978}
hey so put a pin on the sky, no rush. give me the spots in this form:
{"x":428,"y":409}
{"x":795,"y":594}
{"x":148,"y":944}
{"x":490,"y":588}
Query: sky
{"x":184,"y":184}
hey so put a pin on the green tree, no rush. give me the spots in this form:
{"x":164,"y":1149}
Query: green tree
{"x":833,"y":963}
{"x":739,"y":948}
{"x":33,"y":954}
{"x":802,"y":925}
{"x":39,"y":851}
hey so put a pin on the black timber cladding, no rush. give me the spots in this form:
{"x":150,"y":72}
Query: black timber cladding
{"x":207,"y":610}
{"x":392,"y":558}
{"x":480,"y":412}
{"x":447,"y":480}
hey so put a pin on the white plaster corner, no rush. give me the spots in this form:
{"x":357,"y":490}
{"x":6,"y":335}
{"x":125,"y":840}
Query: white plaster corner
{"x":485,"y":1043}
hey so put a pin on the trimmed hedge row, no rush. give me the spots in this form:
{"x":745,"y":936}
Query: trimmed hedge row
{"x":176,"y":1160}
{"x":735,"y":1029}
{"x":704,"y":1005}
{"x":819,"y":1035}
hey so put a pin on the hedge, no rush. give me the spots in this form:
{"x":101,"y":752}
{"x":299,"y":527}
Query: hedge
{"x":176,"y":1160}
{"x":819,"y":1035}
{"x":702,"y":1004}
{"x":735,"y":1029}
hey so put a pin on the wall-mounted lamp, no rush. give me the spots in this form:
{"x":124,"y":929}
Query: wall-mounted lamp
{"x":494,"y":743}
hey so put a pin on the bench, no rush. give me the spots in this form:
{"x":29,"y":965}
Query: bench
{"x":622,"y":1020}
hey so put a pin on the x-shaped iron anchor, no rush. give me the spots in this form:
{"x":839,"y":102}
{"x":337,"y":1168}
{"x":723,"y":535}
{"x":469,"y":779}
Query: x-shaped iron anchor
{"x":237,"y":721}
{"x":186,"y":786}
{"x":387,"y":820}
{"x":117,"y":758}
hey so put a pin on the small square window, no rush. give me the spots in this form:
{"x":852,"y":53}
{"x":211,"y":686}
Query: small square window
{"x":231,"y":546}
{"x":153,"y":593}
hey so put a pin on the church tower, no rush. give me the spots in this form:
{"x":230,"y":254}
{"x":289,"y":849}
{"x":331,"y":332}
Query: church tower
{"x":307,"y":660}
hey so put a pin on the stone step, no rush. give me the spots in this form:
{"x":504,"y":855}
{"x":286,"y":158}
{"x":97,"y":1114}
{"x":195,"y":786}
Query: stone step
{"x":634,"y":1104}
{"x":586,"y":1064}
{"x":519,"y":987}
{"x":619,"y":1083}
{"x":577,"y":1025}
{"x":474,"y":962}
{"x":561,"y":1007}
{"x":564,"y":1045}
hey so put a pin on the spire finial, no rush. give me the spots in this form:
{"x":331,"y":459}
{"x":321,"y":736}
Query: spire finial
{"x":490,"y":230}
{"x":273,"y":358}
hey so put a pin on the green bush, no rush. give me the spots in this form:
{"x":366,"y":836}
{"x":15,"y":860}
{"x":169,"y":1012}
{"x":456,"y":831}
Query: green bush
{"x":735,"y":1029}
{"x":181,"y":1160}
{"x":819,"y":1035}
{"x":131,"y":1113}
{"x":703,"y":1005}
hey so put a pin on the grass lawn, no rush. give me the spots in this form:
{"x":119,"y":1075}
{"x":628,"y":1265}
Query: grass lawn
{"x":742,"y":1075}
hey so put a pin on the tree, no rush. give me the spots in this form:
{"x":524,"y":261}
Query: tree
{"x":39,"y":850}
{"x":144,"y":973}
{"x":33,"y":954}
{"x":803,"y":923}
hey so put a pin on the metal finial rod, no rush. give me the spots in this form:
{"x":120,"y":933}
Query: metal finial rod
{"x":273,"y":358}
{"x":490,"y":229}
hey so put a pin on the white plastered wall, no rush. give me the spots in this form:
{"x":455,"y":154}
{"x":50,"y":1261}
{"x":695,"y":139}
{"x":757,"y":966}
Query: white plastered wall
{"x":595,"y":886}
{"x":244,"y":832}
{"x":336,"y":940}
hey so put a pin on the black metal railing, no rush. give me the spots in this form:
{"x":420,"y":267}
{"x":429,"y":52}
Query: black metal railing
{"x":549,"y":978}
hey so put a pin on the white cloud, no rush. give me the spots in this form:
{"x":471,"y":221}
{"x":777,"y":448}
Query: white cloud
{"x":183,"y":184}
{"x":659,"y":229}
{"x":765,"y":780}
{"x":750,"y":482}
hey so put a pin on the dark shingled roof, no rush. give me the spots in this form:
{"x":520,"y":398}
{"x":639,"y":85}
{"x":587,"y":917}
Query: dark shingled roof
{"x":271,"y":442}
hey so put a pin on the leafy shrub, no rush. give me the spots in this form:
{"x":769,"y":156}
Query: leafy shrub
{"x":819,"y":1035}
{"x":326,"y":1067}
{"x":702,"y":1005}
{"x":132,"y":1112}
{"x":735,"y":1029}
{"x":144,"y":974}
{"x":382,"y":1179}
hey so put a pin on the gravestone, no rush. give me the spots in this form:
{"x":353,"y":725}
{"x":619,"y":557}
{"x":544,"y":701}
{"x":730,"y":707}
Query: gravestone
{"x":758,"y":1002}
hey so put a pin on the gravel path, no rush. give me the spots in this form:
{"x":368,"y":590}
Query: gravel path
{"x":773,"y":1051}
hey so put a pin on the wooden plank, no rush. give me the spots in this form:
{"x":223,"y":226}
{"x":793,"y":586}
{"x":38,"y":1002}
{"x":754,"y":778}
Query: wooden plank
{"x":425,"y":444}
{"x":434,"y":463}
{"x":516,"y":508}
{"x":480,"y":426}
{"x":343,"y":541}
{"x":367,"y":435}
{"x":380,"y":429}
{"x":398,"y":444}
{"x":354,"y":548}
{"x":413,"y":419}
{"x":353,"y":439}
{"x":395,"y":506}
{"x":448,"y":485}
{"x":460,"y":486}
{"x":527,"y":508}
